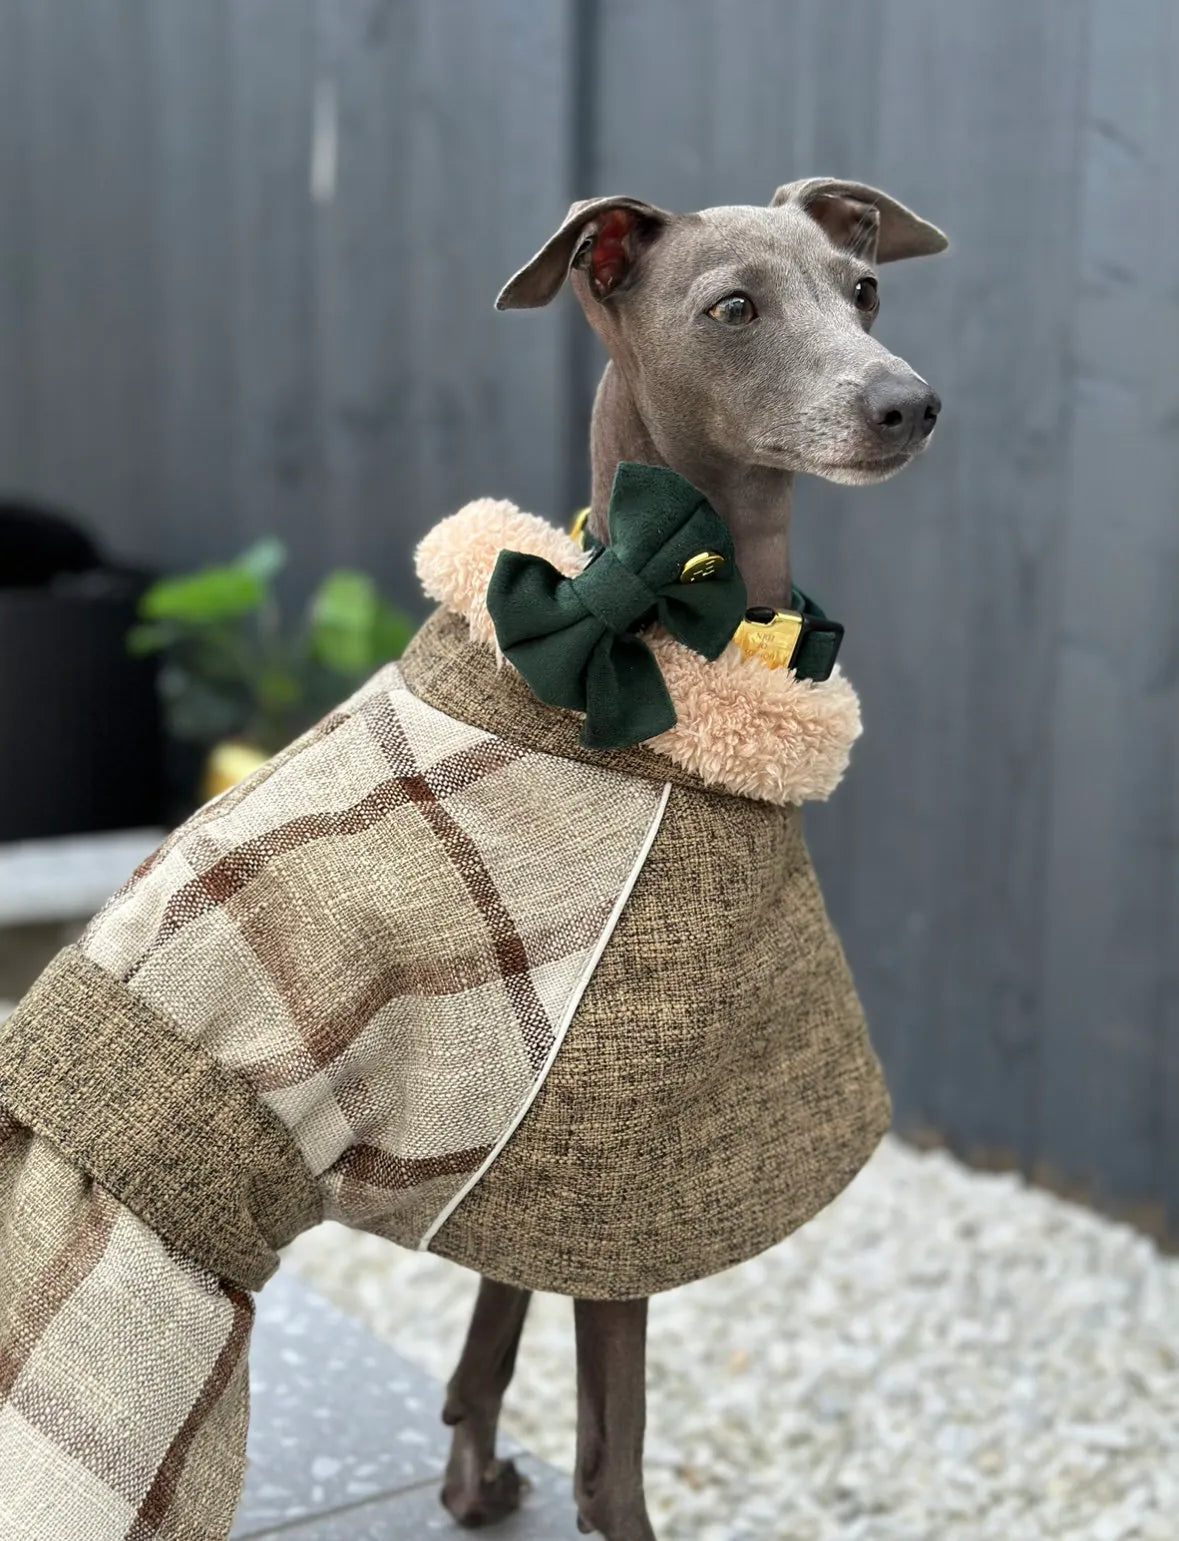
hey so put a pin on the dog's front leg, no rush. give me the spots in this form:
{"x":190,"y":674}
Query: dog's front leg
{"x":611,"y":1418}
{"x":478,"y":1488}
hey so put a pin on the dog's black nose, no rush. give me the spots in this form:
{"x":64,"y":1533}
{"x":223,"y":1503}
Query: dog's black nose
{"x":900,"y":411}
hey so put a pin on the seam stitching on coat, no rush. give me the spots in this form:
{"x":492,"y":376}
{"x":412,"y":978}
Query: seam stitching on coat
{"x":567,"y":1016}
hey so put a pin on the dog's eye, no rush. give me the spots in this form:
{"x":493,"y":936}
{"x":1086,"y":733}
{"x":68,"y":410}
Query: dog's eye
{"x":734,"y":310}
{"x":867,"y":296}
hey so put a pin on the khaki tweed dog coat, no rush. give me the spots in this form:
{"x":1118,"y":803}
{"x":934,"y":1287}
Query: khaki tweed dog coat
{"x":575,"y":1019}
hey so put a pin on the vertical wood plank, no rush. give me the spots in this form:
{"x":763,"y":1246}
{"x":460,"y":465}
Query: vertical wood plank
{"x":89,"y":280}
{"x":278,"y":462}
{"x":18,"y":453}
{"x":493,"y":160}
{"x":367,"y":99}
{"x":193,"y":195}
{"x":451,"y":169}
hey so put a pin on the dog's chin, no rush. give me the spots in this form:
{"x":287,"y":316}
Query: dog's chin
{"x":861,"y":473}
{"x":850,"y":469}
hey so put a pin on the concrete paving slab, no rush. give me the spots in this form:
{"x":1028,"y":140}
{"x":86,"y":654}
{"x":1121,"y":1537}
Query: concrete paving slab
{"x":346,"y":1439}
{"x":337,"y":1417}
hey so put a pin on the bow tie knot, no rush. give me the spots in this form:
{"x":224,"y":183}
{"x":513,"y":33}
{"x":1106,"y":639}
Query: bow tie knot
{"x":574,"y":639}
{"x":610,"y":591}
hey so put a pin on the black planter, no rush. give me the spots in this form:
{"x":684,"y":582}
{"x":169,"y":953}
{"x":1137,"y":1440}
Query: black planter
{"x":80,"y":740}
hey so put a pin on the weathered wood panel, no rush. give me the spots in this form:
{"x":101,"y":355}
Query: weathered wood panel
{"x":970,"y":549}
{"x":273,"y":59}
{"x":17,"y":253}
{"x":80,"y":242}
{"x":201,"y":396}
{"x":1109,"y":1047}
{"x":452,"y":156}
{"x":250,"y":257}
{"x":248,"y":253}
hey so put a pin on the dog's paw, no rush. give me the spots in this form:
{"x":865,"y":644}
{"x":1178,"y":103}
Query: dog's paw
{"x":494,"y":1496}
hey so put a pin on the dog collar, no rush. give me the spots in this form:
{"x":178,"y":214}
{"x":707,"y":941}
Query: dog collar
{"x":802,"y":638}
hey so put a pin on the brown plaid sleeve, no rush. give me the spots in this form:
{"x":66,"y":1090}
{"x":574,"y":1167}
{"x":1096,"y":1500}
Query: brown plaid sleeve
{"x":123,"y":1378}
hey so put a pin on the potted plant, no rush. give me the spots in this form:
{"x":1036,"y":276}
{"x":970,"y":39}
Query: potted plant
{"x":234,"y":680}
{"x":80,"y":741}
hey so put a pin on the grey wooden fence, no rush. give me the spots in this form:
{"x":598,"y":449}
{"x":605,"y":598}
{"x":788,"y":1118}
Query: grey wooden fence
{"x":248,"y":250}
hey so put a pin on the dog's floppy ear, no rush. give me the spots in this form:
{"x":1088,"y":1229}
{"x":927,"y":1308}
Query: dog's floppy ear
{"x":602,"y":235}
{"x":863,"y":220}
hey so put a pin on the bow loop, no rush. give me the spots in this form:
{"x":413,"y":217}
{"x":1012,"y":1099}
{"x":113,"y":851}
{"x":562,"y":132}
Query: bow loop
{"x":574,"y":639}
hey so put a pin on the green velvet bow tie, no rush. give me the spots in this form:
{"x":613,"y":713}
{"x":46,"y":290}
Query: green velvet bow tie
{"x":670,"y":559}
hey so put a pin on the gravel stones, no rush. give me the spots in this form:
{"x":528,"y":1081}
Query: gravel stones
{"x":941,"y":1355}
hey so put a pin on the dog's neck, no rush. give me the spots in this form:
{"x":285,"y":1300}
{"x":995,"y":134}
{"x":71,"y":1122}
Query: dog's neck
{"x":754,"y":501}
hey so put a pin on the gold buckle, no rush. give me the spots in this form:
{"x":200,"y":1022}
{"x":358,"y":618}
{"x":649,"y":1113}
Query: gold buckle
{"x":773,"y":641}
{"x":580,"y":520}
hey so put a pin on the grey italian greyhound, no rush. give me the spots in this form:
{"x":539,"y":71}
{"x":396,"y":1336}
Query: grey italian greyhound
{"x":740,"y":353}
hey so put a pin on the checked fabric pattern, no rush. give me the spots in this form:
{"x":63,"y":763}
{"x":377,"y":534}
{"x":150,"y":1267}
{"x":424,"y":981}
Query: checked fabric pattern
{"x":123,"y":1367}
{"x":386,"y":931}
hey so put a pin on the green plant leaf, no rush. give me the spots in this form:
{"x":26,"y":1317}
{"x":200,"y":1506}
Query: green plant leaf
{"x":392,"y":631}
{"x":150,"y":638}
{"x":264,"y":559}
{"x":215,"y":594}
{"x":353,"y":630}
{"x":345,"y":598}
{"x":277,"y":688}
{"x":231,"y":669}
{"x":343,"y":613}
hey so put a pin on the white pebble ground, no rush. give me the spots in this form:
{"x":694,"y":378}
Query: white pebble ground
{"x":942,"y":1355}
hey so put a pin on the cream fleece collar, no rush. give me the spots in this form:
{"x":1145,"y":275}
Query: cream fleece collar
{"x":755,"y":731}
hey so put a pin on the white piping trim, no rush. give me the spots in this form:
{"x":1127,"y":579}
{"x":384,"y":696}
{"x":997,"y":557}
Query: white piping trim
{"x":566,"y":1018}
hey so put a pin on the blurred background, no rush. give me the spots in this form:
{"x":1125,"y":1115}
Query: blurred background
{"x":248,"y":254}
